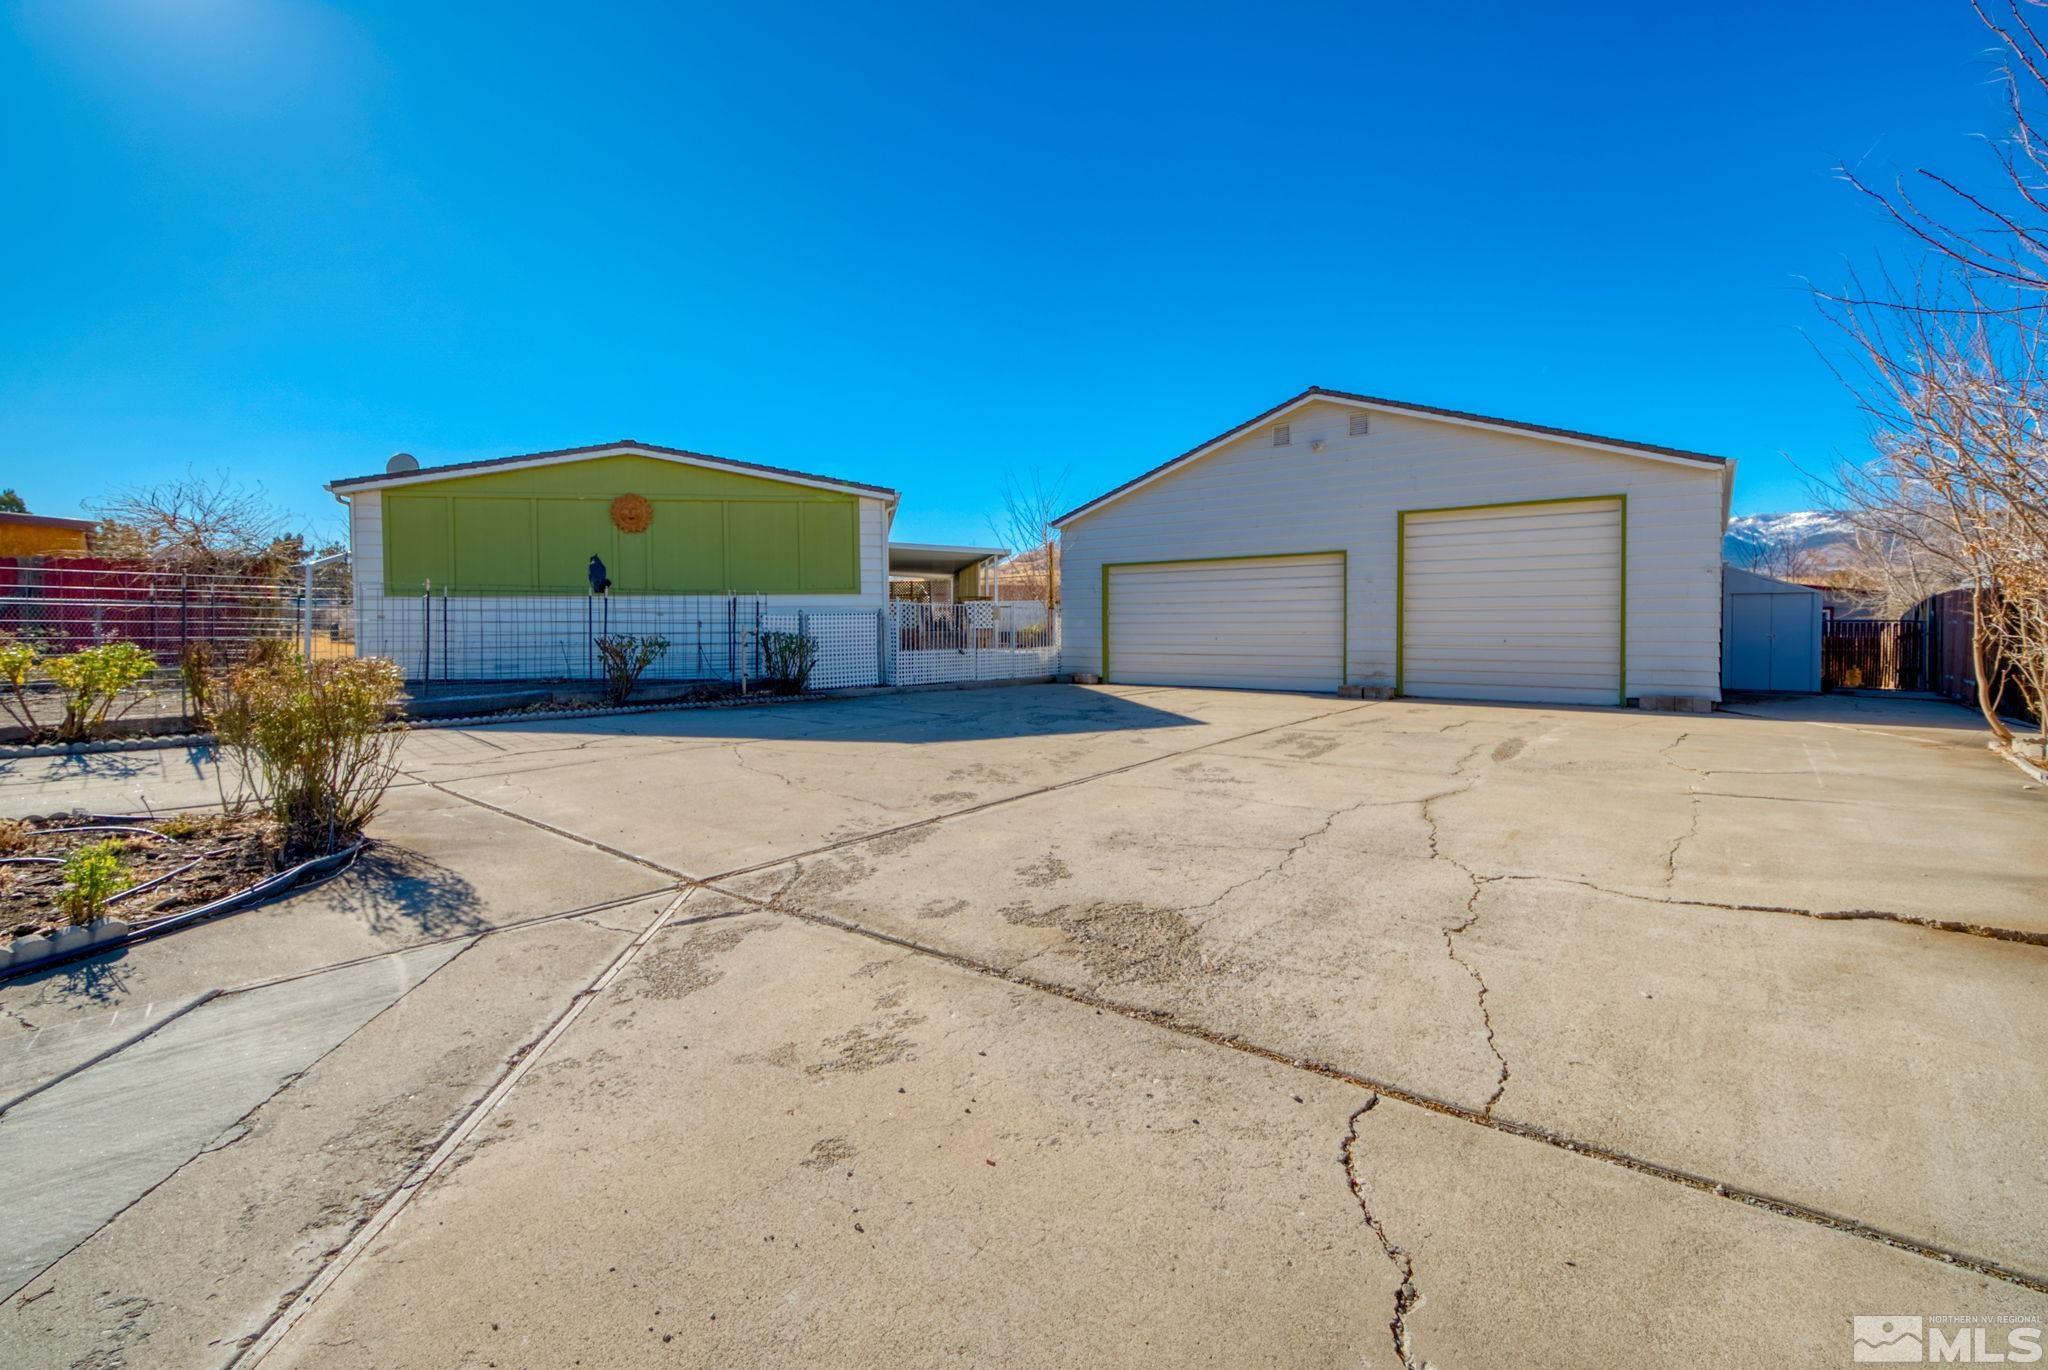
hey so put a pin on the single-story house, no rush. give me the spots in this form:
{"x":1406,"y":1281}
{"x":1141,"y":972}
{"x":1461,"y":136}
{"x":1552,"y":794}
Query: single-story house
{"x":39,"y":535}
{"x":498,"y":547}
{"x":1344,"y":540}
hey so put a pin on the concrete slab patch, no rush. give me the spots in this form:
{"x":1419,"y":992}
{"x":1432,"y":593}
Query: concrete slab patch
{"x":201,"y":1263}
{"x":72,"y":1157}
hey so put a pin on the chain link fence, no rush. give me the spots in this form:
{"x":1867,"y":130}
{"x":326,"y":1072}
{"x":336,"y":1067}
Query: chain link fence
{"x":61,"y":607}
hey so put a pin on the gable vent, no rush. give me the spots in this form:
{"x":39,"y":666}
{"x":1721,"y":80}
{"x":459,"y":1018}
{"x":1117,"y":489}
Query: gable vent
{"x":1361,"y":424}
{"x":1283,"y":434}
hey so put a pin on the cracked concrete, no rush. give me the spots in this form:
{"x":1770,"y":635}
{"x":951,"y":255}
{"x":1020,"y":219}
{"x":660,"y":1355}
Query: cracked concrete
{"x":1120,"y":920}
{"x":1406,"y":1295}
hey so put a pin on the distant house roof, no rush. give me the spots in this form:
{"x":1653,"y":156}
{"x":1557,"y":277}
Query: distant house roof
{"x":46,"y":521}
{"x":1344,"y":397}
{"x":623,"y":447}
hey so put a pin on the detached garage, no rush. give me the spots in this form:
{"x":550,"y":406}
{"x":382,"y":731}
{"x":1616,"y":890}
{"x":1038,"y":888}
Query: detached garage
{"x":1341,"y":539}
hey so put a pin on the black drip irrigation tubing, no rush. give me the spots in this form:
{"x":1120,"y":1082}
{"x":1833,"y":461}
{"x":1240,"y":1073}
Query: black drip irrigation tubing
{"x":305,"y":875}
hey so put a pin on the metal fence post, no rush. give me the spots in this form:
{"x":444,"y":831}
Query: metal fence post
{"x":426,"y":631}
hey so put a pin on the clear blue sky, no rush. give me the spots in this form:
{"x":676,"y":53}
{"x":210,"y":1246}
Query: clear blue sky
{"x":922,"y":245}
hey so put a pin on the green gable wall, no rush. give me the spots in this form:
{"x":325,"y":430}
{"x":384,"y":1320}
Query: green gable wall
{"x":532,"y":530}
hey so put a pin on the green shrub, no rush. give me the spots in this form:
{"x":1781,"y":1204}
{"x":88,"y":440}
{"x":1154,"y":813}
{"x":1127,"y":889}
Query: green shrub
{"x":309,"y":745}
{"x":625,"y":658}
{"x":787,"y":660}
{"x":93,"y":874}
{"x":92,"y":680}
{"x":18,"y":661}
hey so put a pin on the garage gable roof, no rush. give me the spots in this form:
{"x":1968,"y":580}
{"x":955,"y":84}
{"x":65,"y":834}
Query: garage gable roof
{"x":1621,"y":446}
{"x":625,"y":447}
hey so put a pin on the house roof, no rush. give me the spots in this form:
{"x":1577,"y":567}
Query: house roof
{"x":1344,"y":397}
{"x":47,"y":521}
{"x":623,"y":447}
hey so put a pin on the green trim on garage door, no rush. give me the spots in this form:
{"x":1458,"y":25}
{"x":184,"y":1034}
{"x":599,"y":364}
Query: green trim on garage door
{"x":1343,"y":577}
{"x":1401,"y":575}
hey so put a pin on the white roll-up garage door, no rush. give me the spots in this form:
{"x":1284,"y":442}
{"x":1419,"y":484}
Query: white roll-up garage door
{"x":1514,"y":603}
{"x":1274,"y":623}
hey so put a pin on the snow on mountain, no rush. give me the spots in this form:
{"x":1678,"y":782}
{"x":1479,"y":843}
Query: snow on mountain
{"x":1814,"y":531}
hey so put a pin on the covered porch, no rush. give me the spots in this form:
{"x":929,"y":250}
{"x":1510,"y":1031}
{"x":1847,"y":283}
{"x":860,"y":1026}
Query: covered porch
{"x":936,"y":573}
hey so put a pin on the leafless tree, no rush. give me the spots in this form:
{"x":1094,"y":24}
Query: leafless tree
{"x":1948,"y":368}
{"x":1024,"y":524}
{"x":197,"y":523}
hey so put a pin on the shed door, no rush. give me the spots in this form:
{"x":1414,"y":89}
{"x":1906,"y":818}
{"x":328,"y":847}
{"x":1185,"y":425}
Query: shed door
{"x":1793,"y":650}
{"x":1275,"y":623}
{"x":1514,"y":603}
{"x":1749,"y":642}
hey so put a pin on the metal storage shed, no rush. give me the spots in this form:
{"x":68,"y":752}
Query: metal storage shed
{"x":1770,"y":634}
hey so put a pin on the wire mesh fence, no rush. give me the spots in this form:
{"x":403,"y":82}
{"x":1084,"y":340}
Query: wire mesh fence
{"x":443,"y":641}
{"x":61,"y":607}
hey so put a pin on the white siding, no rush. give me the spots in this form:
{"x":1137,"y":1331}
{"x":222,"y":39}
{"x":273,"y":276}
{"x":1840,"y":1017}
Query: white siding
{"x":1251,"y":498}
{"x":1271,"y":624}
{"x":1516,"y":603}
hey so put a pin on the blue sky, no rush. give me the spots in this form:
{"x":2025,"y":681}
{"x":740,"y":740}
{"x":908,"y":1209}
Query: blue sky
{"x":923,"y":245}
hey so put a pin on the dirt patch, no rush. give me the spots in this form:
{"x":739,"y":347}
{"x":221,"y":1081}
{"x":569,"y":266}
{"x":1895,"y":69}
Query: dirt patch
{"x":1303,"y":746}
{"x":1122,"y":942}
{"x":1509,"y":750}
{"x":949,"y":796}
{"x":862,"y":1048}
{"x":172,"y":864}
{"x":1047,"y":870}
{"x":679,"y":971}
{"x":829,"y":1153}
{"x":941,"y":908}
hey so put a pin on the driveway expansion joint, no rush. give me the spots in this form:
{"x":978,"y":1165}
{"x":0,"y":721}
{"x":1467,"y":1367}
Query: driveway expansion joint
{"x":295,"y":1306}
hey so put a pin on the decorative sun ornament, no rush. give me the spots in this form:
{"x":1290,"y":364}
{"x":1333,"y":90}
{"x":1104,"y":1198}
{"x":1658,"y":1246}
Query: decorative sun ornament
{"x":632,"y":513}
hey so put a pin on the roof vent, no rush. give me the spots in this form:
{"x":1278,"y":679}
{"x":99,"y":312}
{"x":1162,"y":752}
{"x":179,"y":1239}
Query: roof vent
{"x":400,"y":463}
{"x":1283,"y":434}
{"x":1361,"y":424}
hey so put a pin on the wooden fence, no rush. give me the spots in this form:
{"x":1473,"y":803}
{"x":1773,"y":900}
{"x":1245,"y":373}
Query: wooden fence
{"x":1873,"y":654}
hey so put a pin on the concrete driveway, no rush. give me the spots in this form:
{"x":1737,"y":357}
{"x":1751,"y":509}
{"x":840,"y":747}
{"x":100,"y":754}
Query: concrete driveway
{"x":1061,"y":1026}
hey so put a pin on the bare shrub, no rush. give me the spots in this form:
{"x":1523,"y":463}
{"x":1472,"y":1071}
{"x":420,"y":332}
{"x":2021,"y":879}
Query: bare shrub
{"x":625,"y":659}
{"x":787,"y":660}
{"x":309,"y":744}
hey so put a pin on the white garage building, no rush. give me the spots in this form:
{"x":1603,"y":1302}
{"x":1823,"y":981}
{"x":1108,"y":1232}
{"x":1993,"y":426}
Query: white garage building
{"x":1339,"y":539}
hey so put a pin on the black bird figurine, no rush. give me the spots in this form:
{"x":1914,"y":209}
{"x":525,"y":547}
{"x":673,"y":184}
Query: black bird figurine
{"x":599,"y":581}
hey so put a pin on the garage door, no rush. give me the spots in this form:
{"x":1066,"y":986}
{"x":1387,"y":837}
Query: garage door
{"x":1274,"y":623}
{"x":1514,"y":603}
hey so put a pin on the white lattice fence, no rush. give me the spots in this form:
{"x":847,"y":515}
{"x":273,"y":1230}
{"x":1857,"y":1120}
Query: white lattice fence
{"x":849,"y":644}
{"x":978,"y":640}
